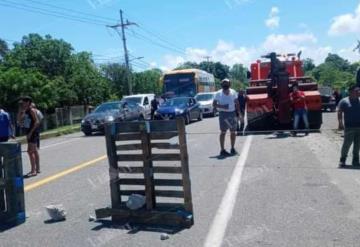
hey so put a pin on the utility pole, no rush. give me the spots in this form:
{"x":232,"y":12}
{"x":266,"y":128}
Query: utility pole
{"x":208,"y":62}
{"x":123,"y":26}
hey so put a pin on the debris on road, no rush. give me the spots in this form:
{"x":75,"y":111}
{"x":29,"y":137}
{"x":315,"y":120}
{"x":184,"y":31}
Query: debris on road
{"x":164,"y":236}
{"x":56,"y":212}
{"x":92,"y":218}
{"x":135,"y":202}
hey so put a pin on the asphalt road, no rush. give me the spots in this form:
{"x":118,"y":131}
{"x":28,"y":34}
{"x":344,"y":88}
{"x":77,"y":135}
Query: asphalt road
{"x":281,"y":191}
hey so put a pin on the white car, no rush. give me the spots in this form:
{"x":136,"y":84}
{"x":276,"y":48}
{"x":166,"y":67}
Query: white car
{"x":143,"y":100}
{"x":206,"y":103}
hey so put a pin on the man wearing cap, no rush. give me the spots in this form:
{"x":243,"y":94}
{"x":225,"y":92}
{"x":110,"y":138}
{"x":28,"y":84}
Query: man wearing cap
{"x":227,"y":104}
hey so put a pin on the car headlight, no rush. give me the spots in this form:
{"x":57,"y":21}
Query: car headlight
{"x":179,"y":111}
{"x":83,"y":121}
{"x":110,"y":118}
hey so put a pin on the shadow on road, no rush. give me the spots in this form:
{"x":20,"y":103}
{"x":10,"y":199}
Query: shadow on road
{"x":350,"y":167}
{"x":136,"y":228}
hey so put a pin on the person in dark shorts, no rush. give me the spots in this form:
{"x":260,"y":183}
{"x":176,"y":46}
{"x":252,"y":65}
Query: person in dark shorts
{"x":6,"y":129}
{"x":349,"y":121}
{"x":227,"y":104}
{"x":28,"y":120}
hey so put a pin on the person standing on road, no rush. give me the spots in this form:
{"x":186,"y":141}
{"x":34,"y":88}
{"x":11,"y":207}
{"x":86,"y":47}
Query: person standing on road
{"x":154,"y":106}
{"x":242,"y":105}
{"x":227,"y":104}
{"x":6,"y":128}
{"x":27,"y":119}
{"x":349,"y":121}
{"x":297,"y":98}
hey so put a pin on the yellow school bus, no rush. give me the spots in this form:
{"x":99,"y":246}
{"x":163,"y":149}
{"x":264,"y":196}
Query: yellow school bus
{"x":187,"y":82}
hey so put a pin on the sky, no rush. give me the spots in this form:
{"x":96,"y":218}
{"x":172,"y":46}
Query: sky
{"x":170,"y":32}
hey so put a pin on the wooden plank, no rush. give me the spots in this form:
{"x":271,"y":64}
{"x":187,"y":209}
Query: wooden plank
{"x":165,"y":145}
{"x":167,"y":169}
{"x":113,"y":165}
{"x":163,"y":126}
{"x":127,"y":147}
{"x":131,"y":169}
{"x":166,"y":157}
{"x":165,"y":217}
{"x":170,"y":193}
{"x":148,"y":174}
{"x":130,"y":192}
{"x":126,"y":127}
{"x":185,"y":165}
{"x":168,"y":182}
{"x":128,"y":137}
{"x":130,"y":157}
{"x":131,"y":181}
{"x":162,"y":135}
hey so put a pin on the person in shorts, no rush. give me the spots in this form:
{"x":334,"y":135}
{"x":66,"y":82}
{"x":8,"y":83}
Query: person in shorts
{"x":28,"y":120}
{"x":227,"y":104}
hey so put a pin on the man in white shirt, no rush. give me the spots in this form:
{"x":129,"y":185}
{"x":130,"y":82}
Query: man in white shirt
{"x":227,"y":105}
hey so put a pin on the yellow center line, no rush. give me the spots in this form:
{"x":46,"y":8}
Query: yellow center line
{"x":64,"y":173}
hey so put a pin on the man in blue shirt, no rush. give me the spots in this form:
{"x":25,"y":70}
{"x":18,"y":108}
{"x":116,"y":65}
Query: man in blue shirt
{"x":6,"y":130}
{"x":349,"y":121}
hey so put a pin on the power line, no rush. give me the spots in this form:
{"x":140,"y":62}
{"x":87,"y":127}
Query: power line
{"x":72,"y":10}
{"x":157,"y":35}
{"x":51,"y":13}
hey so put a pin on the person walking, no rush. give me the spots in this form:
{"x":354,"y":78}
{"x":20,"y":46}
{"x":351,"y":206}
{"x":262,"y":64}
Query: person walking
{"x":154,"y":106}
{"x":297,"y":98}
{"x":6,"y":128}
{"x":349,"y":121}
{"x":28,"y":120}
{"x":227,"y":104}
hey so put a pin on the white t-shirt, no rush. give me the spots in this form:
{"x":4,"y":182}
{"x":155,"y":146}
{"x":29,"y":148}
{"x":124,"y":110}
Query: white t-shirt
{"x":224,"y":99}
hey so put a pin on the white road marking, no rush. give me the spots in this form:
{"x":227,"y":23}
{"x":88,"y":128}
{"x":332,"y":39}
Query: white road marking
{"x":218,"y":228}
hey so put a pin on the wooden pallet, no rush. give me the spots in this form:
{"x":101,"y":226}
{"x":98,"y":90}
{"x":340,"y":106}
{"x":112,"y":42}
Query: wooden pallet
{"x":12,"y":202}
{"x":135,"y":151}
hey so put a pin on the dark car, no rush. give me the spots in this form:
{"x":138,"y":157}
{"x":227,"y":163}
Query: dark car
{"x":110,"y":112}
{"x":327,"y":98}
{"x":186,"y":107}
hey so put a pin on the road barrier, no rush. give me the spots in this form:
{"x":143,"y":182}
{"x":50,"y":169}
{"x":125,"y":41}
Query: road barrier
{"x":12,"y":202}
{"x":149,"y":142}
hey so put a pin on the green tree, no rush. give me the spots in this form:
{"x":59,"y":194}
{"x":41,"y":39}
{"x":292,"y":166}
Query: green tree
{"x":4,"y":49}
{"x":47,"y":55}
{"x":308,"y":66}
{"x":147,"y":81}
{"x":116,"y":75}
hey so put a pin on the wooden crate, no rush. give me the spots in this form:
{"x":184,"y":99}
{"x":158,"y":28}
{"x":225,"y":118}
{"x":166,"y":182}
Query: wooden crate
{"x":146,"y":144}
{"x":12,"y":202}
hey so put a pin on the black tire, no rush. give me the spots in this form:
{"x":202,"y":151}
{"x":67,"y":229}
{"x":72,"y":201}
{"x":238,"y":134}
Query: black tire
{"x":201,"y":116}
{"x":187,"y":119}
{"x":87,"y":133}
{"x":141,"y":118}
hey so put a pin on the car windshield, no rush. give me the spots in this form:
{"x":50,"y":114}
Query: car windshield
{"x":135,"y":100}
{"x":176,"y":102}
{"x":107,"y":107}
{"x":204,"y":97}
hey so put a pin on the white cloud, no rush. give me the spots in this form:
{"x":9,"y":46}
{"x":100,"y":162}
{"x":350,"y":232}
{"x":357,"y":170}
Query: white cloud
{"x":230,"y":54}
{"x":346,"y":23}
{"x":274,"y":20}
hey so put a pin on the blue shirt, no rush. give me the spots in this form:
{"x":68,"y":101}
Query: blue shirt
{"x":5,"y":123}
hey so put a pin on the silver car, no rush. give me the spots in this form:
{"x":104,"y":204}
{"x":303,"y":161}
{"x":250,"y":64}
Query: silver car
{"x":206,"y":103}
